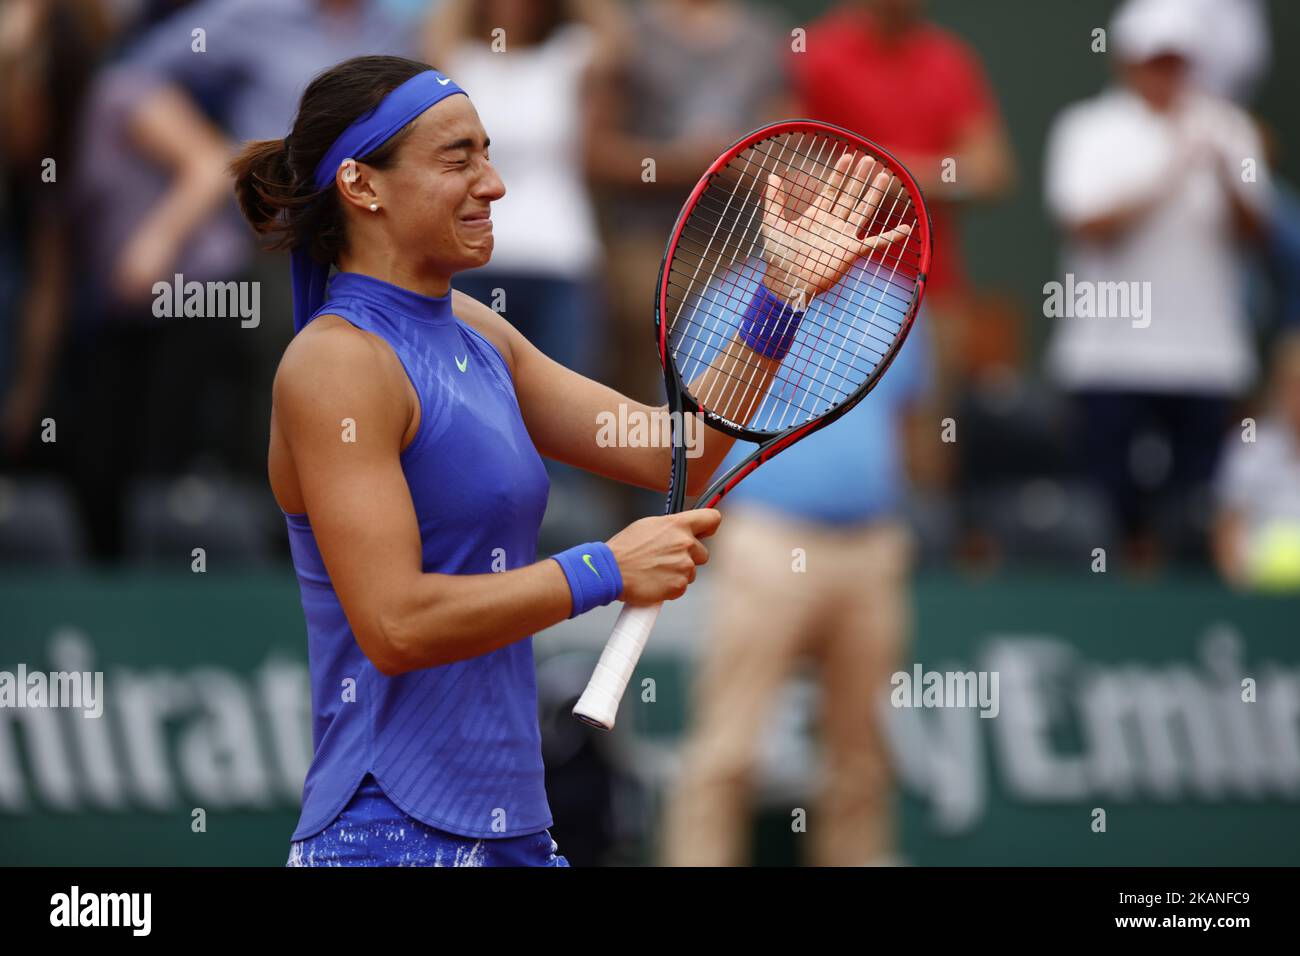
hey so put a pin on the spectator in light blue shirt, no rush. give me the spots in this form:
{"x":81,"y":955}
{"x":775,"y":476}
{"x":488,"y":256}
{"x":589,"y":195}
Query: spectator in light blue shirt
{"x":812,"y":561}
{"x":851,"y":472}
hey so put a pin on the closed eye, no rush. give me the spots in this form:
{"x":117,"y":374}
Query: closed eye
{"x":467,"y":145}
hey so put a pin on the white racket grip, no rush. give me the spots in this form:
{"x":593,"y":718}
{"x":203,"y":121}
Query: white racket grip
{"x":598,"y":704}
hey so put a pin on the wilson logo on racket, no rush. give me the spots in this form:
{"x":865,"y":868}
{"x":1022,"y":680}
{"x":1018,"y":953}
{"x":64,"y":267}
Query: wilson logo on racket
{"x":795,"y":212}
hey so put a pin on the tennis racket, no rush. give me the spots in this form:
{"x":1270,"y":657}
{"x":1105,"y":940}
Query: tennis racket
{"x":789,"y":282}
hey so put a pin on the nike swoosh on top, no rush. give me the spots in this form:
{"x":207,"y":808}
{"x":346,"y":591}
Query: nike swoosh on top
{"x":462,"y":364}
{"x":444,"y":80}
{"x":586,"y":559}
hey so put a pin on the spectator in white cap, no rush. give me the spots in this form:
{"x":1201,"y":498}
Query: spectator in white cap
{"x":1154,"y":185}
{"x":1227,"y":46}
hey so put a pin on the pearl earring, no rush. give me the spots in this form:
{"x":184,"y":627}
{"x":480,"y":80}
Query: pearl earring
{"x":374,"y":207}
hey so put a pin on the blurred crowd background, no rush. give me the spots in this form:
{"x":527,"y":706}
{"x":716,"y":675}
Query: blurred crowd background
{"x":1065,"y":437}
{"x":1152,"y":144}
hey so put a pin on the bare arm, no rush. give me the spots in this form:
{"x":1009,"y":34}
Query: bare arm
{"x":983,"y":167}
{"x":39,"y":336}
{"x":445,"y":30}
{"x":364,"y":521}
{"x":604,"y":17}
{"x":1113,"y":223}
{"x":1250,"y":222}
{"x":359,"y":504}
{"x":616,"y":158}
{"x":448,"y":26}
{"x":1229,"y":546}
{"x":566,"y":414}
{"x":171,"y":131}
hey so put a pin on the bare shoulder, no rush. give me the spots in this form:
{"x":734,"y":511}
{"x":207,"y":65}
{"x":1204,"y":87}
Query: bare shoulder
{"x":488,"y":324}
{"x":332,"y":362}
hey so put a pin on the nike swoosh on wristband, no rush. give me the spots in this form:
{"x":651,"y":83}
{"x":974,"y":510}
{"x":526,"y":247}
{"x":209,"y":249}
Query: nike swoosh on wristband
{"x":586,"y":559}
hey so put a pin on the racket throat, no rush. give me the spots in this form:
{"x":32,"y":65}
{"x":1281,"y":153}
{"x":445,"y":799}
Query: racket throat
{"x":676,"y":499}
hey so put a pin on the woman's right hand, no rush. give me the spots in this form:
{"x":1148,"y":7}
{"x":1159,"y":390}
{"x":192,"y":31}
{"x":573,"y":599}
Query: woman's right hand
{"x":658,"y":556}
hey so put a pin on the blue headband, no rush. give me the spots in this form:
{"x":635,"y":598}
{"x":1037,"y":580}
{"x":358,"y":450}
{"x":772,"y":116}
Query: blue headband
{"x":366,"y":134}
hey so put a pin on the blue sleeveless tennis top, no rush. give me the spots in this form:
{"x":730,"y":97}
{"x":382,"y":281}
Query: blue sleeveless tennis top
{"x":457,"y":747}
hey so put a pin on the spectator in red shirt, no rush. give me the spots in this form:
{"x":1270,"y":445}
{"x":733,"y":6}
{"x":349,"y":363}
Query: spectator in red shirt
{"x":880,"y":69}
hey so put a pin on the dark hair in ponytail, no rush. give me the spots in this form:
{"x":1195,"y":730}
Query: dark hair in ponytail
{"x":273,"y":177}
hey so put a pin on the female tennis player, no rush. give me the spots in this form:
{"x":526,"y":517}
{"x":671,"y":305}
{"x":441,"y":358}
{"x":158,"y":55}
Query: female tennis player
{"x":407,"y":428}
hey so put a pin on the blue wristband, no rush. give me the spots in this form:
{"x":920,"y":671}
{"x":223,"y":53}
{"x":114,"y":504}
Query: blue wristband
{"x":768,"y":325}
{"x":594,"y":577}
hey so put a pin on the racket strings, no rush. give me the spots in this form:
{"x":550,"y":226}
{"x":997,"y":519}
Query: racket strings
{"x":691,"y":242}
{"x":751,"y":367}
{"x":803,"y":366}
{"x":718,"y":262}
{"x":822,"y":354}
{"x":875,"y":313}
{"x":738,"y":375}
{"x":816,"y":344}
{"x":736,"y":242}
{"x":732,"y":296}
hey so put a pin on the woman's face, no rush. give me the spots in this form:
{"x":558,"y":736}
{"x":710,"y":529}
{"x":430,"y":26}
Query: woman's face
{"x":436,"y":198}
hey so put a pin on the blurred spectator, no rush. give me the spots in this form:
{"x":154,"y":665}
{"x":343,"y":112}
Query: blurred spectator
{"x":134,"y":16}
{"x":162,"y":395}
{"x":527,"y":65}
{"x":1283,"y":252}
{"x":812,"y":561}
{"x":879,"y":68}
{"x":529,"y":93}
{"x":1257,"y":531}
{"x":691,"y":77}
{"x":48,"y":51}
{"x":687,"y":80}
{"x":1154,"y":184}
